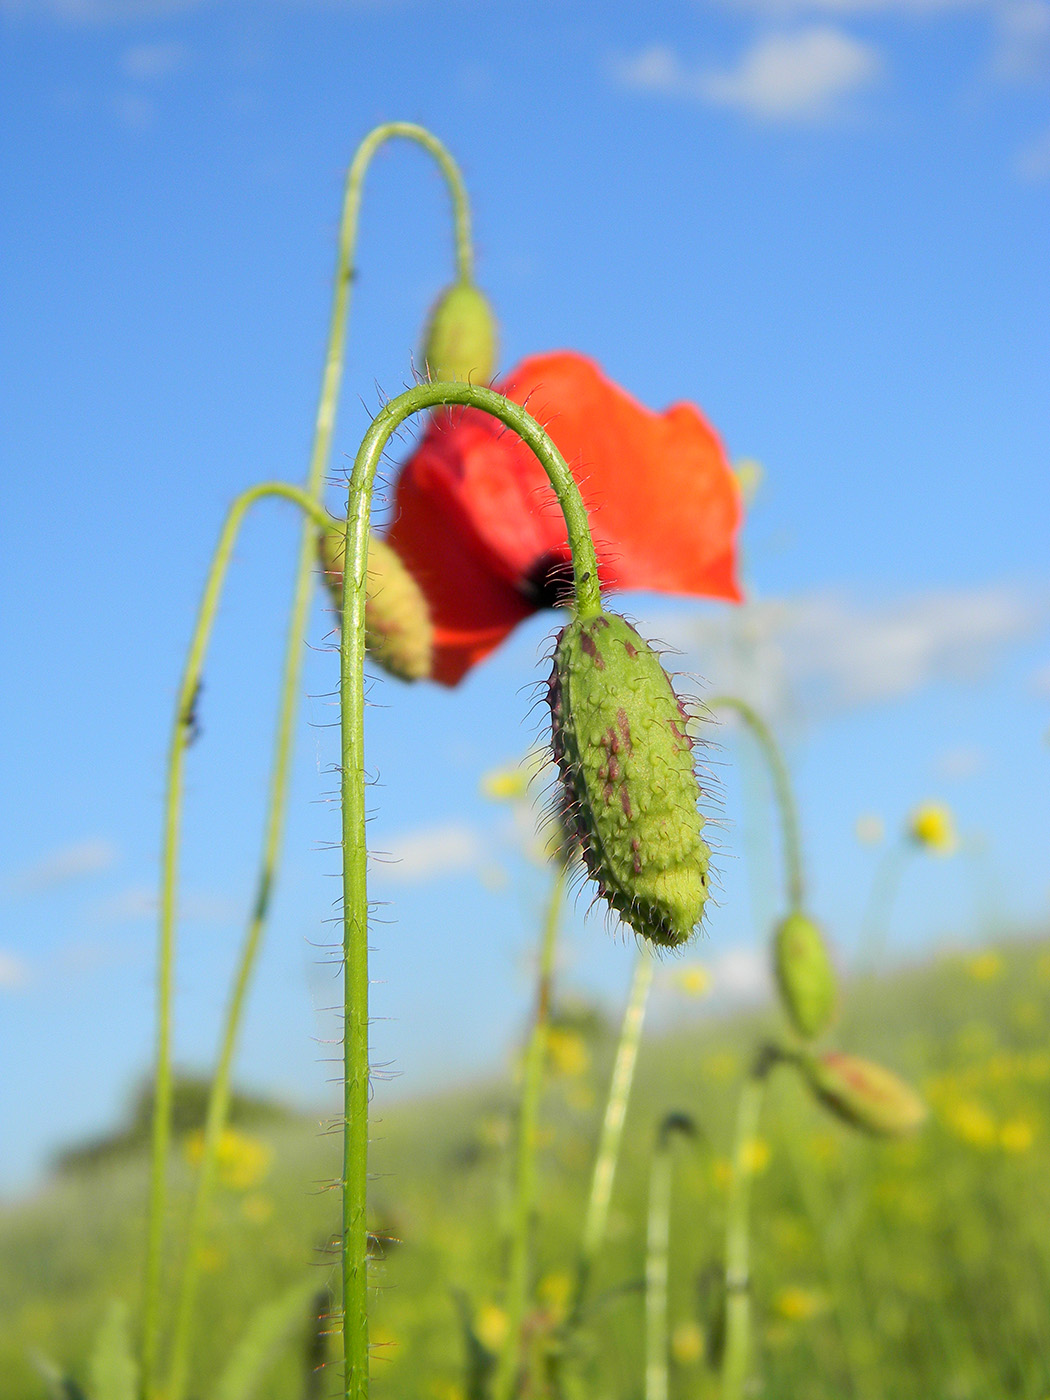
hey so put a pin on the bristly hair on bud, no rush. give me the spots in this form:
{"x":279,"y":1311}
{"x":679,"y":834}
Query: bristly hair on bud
{"x":625,"y":761}
{"x":863,"y":1094}
{"x":399,"y":634}
{"x":805,"y":975}
{"x":460,"y":339}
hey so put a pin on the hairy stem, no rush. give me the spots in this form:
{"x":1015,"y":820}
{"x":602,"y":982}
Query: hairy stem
{"x":738,"y":1240}
{"x":355,"y":896}
{"x":218,"y":1103}
{"x":608,"y":1155}
{"x":524,"y":1202}
{"x":182,"y":732}
{"x":785,"y":798}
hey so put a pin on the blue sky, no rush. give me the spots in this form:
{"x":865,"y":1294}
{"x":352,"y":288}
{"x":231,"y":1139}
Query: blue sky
{"x":823,"y":220}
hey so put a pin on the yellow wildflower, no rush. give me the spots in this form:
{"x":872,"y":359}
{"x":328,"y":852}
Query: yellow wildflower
{"x":985,"y":967}
{"x":799,"y":1304}
{"x":507,"y":784}
{"x":972,"y":1123}
{"x":754,"y":1156}
{"x":693,"y":980}
{"x":243,"y":1161}
{"x":567,"y":1052}
{"x":490,"y":1324}
{"x":687,"y":1344}
{"x":554,"y":1291}
{"x":1017,"y":1135}
{"x":932,"y":827}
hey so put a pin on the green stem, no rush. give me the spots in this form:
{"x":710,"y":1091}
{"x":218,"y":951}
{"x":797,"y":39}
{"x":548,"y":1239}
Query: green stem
{"x":525,"y":1164}
{"x":738,"y":1244}
{"x":218,"y":1102}
{"x":608,"y":1155}
{"x":180,"y":736}
{"x":782,"y":788}
{"x":658,"y":1234}
{"x":355,"y":897}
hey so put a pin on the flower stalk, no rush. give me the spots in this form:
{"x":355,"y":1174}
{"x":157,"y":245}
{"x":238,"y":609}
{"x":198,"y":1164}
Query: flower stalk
{"x":587,"y":602}
{"x":218,"y":1104}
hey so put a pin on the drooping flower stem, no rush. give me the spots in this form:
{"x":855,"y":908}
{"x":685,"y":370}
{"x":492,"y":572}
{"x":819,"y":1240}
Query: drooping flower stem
{"x":218,"y":1102}
{"x":608,"y":1155}
{"x":738,"y":1234}
{"x":587,"y":602}
{"x":785,"y":798}
{"x":182,"y":733}
{"x":524,"y":1201}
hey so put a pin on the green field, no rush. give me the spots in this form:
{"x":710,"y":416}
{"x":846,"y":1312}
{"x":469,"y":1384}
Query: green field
{"x":885,"y":1271}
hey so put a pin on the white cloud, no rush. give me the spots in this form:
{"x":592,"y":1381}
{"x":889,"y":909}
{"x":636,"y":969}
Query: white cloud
{"x":1032,"y":162}
{"x":1023,"y":40}
{"x":823,"y":653}
{"x":446,"y":849}
{"x":64,"y":865}
{"x":14,"y":973}
{"x":146,"y":62}
{"x":804,"y":76}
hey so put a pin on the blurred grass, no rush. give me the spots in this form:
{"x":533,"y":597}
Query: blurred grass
{"x":881,"y":1270}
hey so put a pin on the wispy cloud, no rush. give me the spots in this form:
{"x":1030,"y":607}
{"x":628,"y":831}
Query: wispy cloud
{"x":1022,"y":52}
{"x":145,"y":63}
{"x":823,"y":653}
{"x":445,"y":849}
{"x":139,"y":902}
{"x":65,"y":865}
{"x":14,"y":972}
{"x":805,"y":76}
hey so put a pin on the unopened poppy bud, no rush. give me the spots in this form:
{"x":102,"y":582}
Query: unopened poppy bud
{"x":864,"y":1094}
{"x":804,"y":974}
{"x":398,"y":630}
{"x":626,"y":764}
{"x":460,"y":338}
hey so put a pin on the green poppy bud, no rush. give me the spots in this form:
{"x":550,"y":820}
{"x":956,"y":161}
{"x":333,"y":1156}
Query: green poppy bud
{"x":460,"y":338}
{"x":805,"y":975}
{"x":863,"y":1094}
{"x":626,"y":764}
{"x":398,"y":632}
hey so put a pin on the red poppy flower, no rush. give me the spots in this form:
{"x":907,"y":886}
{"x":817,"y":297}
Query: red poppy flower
{"x":478,"y":526}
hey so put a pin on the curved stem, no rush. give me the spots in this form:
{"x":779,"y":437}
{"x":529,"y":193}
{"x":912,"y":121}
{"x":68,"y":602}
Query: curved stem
{"x":182,"y":732}
{"x":355,"y":895}
{"x":782,"y":788}
{"x":608,"y":1155}
{"x":525,"y":1163}
{"x":738,"y":1242}
{"x":218,"y":1101}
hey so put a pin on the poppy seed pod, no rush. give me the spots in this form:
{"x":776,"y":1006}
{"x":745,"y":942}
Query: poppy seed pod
{"x":805,"y":975}
{"x":398,"y":631}
{"x":460,"y":338}
{"x":864,"y":1094}
{"x":626,"y":764}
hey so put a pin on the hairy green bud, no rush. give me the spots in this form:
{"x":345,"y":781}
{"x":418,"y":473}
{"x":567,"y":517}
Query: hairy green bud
{"x":399,"y":634}
{"x":460,"y":338}
{"x":805,"y":975}
{"x":863,"y":1094}
{"x":626,"y":763}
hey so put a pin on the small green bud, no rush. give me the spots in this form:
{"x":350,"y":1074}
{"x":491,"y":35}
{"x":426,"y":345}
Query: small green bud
{"x":460,"y":338}
{"x":863,"y":1094}
{"x":805,"y":975}
{"x":626,"y":763}
{"x":398,"y":631}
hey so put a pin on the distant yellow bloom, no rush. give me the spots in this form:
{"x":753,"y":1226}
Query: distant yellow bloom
{"x":567,"y":1052}
{"x":490,"y":1324}
{"x":932,"y":826}
{"x":754,"y":1156}
{"x":870,"y":829}
{"x":243,"y":1161}
{"x":1017,"y":1135}
{"x":687,"y":1344}
{"x":972,"y":1123}
{"x":507,"y":784}
{"x":554,"y":1291}
{"x":799,"y":1304}
{"x":985,"y":967}
{"x":694,"y":980}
